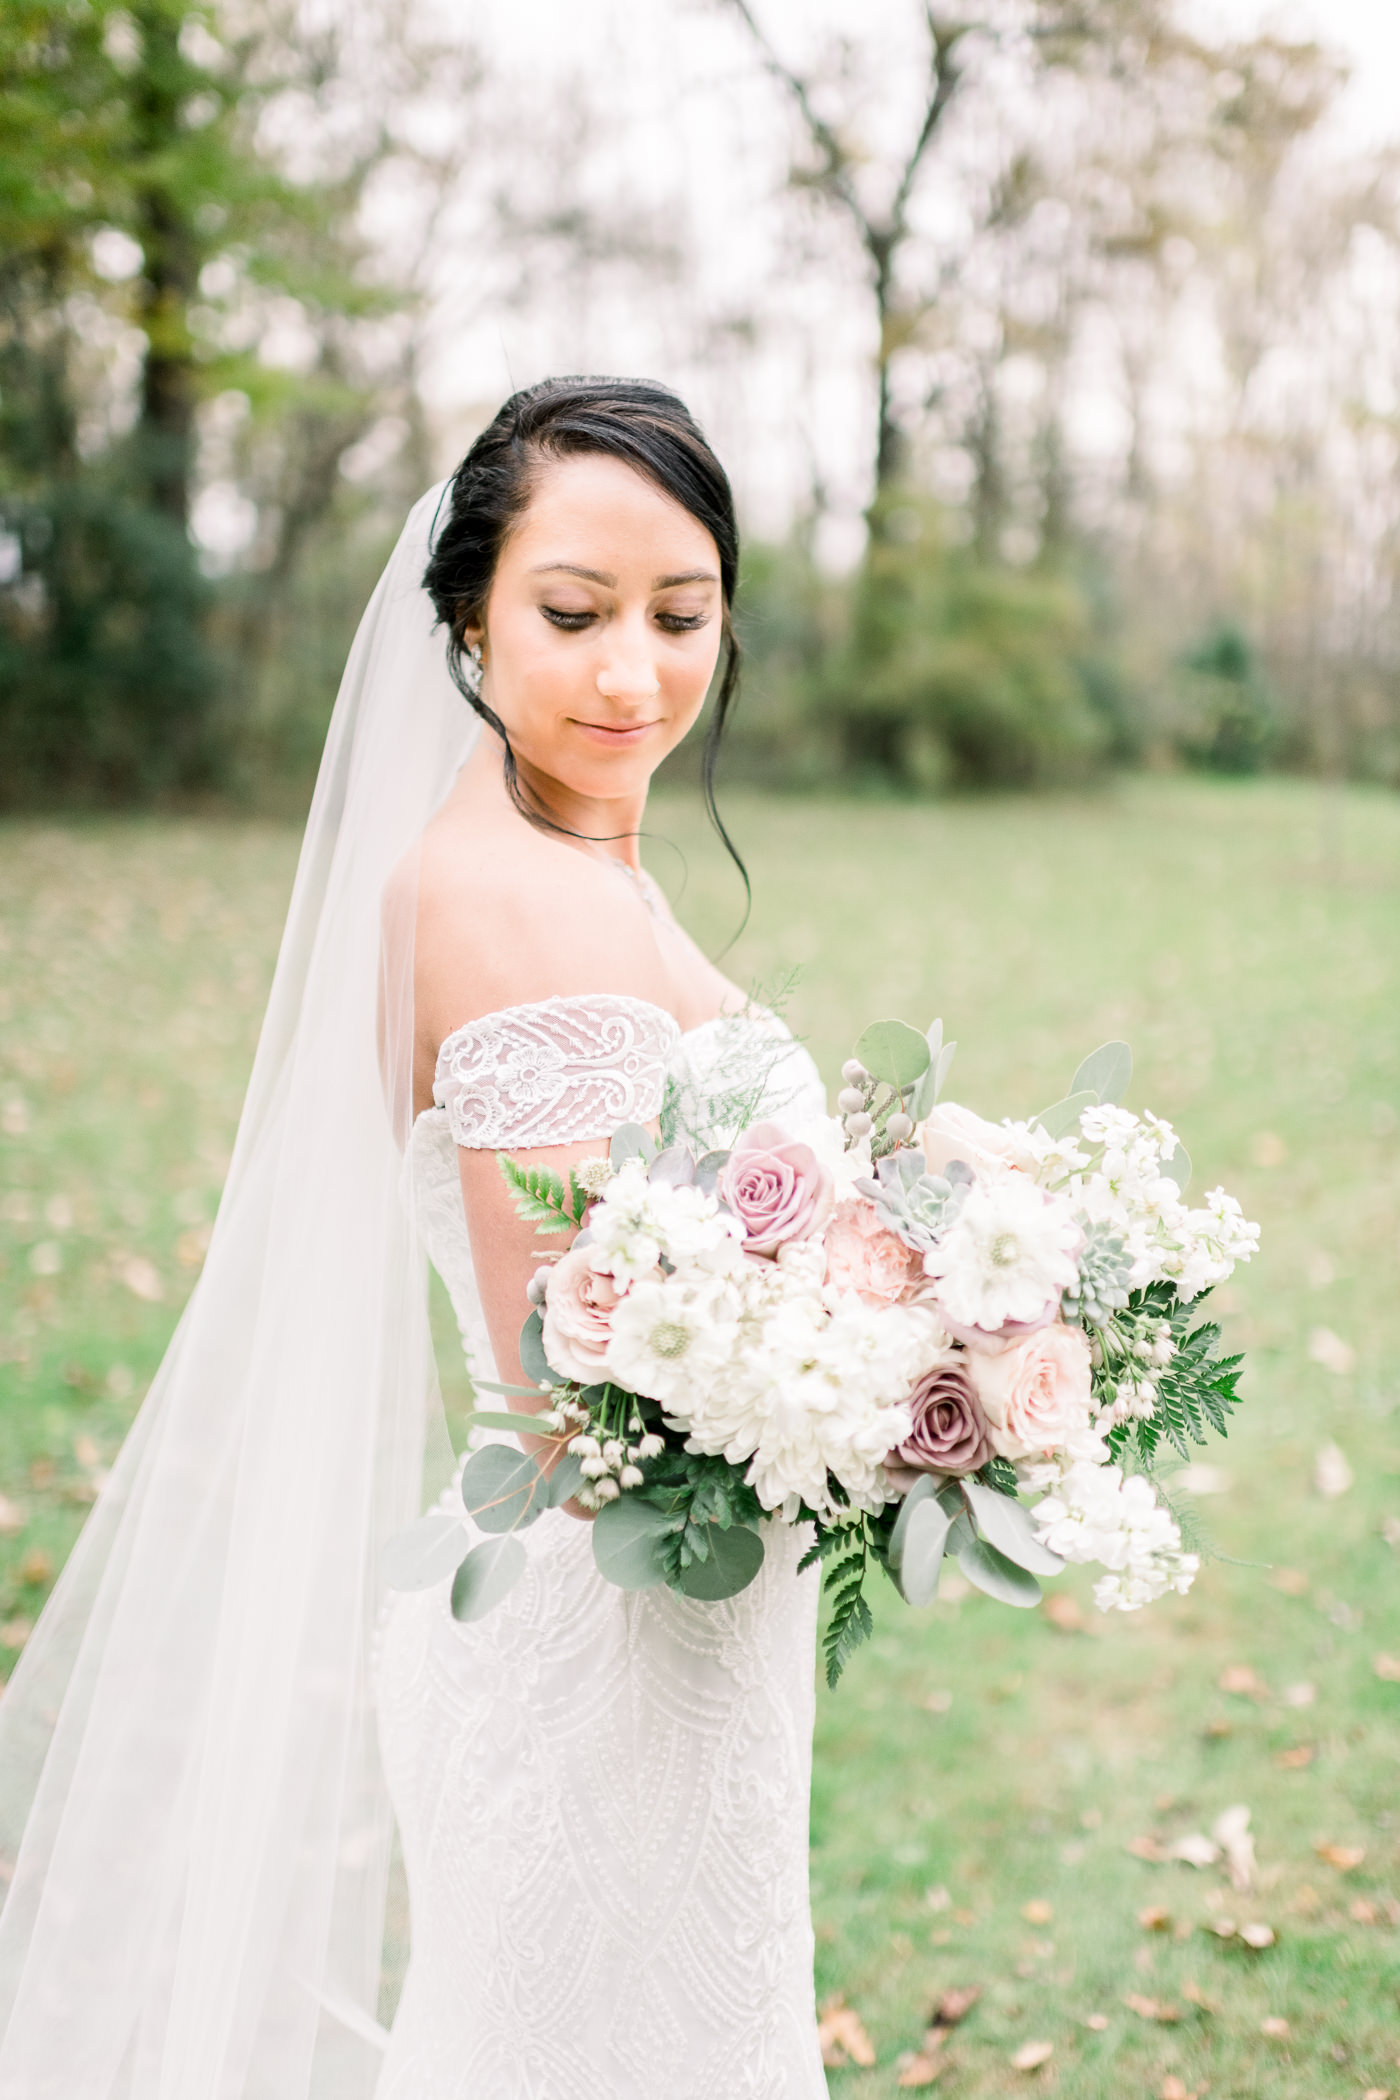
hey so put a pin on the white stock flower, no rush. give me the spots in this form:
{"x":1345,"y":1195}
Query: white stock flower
{"x":1010,"y":1250}
{"x":1092,"y":1513}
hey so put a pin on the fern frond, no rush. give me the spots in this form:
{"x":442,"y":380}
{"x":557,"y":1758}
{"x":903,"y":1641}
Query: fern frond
{"x":541,"y":1198}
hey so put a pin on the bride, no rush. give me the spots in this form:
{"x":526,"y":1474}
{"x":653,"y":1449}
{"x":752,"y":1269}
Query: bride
{"x":601,"y":1796}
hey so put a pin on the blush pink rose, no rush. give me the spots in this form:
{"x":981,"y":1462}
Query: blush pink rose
{"x":1009,"y":1330}
{"x":863,"y":1256}
{"x":1035,"y":1394}
{"x":777,"y":1188}
{"x":578,"y":1317}
{"x":952,"y":1132}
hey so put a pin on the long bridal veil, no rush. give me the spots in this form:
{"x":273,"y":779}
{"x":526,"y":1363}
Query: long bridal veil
{"x":190,"y":1804}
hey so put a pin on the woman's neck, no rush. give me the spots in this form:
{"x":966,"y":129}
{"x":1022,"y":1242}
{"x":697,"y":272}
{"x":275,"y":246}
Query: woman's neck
{"x":610,"y":827}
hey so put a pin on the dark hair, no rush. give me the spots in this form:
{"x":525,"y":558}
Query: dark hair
{"x":647,"y":427}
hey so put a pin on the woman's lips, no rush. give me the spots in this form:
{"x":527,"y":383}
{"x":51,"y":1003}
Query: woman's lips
{"x":615,"y":736}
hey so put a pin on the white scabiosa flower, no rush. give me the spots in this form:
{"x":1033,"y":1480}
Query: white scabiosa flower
{"x":668,"y":1335}
{"x":1009,"y":1253}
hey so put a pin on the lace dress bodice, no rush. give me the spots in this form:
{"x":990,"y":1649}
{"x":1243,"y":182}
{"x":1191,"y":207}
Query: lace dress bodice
{"x":602,"y":1795}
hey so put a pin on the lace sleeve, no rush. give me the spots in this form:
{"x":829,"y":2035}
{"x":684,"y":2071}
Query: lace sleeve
{"x":554,"y":1072}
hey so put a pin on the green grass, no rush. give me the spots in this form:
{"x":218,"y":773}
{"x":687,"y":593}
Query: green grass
{"x":1246,"y":940}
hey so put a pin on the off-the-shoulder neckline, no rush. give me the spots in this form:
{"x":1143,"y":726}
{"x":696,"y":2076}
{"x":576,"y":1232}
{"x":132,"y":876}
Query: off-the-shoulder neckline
{"x":557,"y":1000}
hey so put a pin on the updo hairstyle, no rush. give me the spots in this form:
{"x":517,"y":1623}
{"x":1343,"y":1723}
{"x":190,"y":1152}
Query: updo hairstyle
{"x":645,"y":426}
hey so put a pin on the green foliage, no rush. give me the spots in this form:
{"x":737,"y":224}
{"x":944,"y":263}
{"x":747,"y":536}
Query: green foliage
{"x":850,"y":1621}
{"x":961,"y":674}
{"x":1230,"y":716}
{"x":541,"y":1197}
{"x":1195,"y":1392}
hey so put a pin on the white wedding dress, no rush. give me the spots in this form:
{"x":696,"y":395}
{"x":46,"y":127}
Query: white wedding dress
{"x":602,"y":1796}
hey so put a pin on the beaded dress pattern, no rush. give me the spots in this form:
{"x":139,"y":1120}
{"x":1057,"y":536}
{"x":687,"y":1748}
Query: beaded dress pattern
{"x":602,"y":1795}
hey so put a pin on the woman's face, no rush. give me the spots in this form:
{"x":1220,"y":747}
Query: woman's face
{"x":603,"y":626}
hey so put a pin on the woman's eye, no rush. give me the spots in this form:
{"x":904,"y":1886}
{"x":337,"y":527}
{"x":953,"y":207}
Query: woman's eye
{"x":571,"y":622}
{"x":681,"y":623}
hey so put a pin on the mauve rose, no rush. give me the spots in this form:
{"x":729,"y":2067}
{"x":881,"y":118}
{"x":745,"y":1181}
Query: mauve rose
{"x":777,"y":1188}
{"x":864,"y":1256}
{"x":1036,"y":1393}
{"x":950,"y":1432}
{"x":578,"y":1317}
{"x":953,"y":1132}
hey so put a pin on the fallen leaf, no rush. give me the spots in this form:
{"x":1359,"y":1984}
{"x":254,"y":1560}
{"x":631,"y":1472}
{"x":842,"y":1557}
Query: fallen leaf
{"x":1258,"y":1936}
{"x":1152,"y":2008}
{"x":1097,"y":2021}
{"x":1267,"y":1149}
{"x":1390,"y":1531}
{"x":920,"y":2070}
{"x":1303,"y":1694}
{"x":1148,"y":1848}
{"x":1244,"y":1682}
{"x":1342,"y":1857}
{"x":1376,"y":2092}
{"x":1223,"y":1928}
{"x":842,"y":2035}
{"x":1295,"y":1759}
{"x":12,"y":1517}
{"x":1332,"y":1476}
{"x":1196,"y":1849}
{"x":15,"y":1632}
{"x":1154,"y":1918}
{"x":1230,"y":1831}
{"x":1387,"y":1668}
{"x":141,"y":1277}
{"x":1333,"y":1354}
{"x":1292,"y":1581}
{"x":955,"y":2005}
{"x":938,"y":1703}
{"x":1276,"y":2029}
{"x":36,"y":1567}
{"x":1363,"y":1912}
{"x":1203,"y":1480}
{"x":1063,"y":1612}
{"x":1192,"y":1990}
{"x":1172,"y":2088}
{"x":1031,"y":2055}
{"x":938,"y":1899}
{"x":1037,"y":1911}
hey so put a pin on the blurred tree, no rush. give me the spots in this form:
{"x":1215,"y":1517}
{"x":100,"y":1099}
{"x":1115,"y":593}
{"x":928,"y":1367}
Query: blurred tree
{"x":177,"y":231}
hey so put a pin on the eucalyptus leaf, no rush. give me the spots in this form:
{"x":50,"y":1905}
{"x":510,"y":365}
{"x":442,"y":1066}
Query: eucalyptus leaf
{"x":926,"y":1092}
{"x":627,"y":1537}
{"x":1059,"y":1121}
{"x":943,"y":1068}
{"x":515,"y":1392}
{"x":894,"y":1052}
{"x":1007,"y":1524}
{"x":533,"y":1361}
{"x":425,"y":1553}
{"x":523,"y":1425}
{"x":502,"y":1488}
{"x":485,"y":1576}
{"x":565,"y":1480}
{"x":707,"y":1169}
{"x":922,"y":1557}
{"x":988,"y":1570}
{"x":735,"y":1557}
{"x":674,"y":1168}
{"x":630,"y":1141}
{"x":925,"y":1488}
{"x":1105,"y":1072}
{"x":1177,"y":1167}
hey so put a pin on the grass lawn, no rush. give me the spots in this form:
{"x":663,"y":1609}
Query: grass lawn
{"x":987,"y":1782}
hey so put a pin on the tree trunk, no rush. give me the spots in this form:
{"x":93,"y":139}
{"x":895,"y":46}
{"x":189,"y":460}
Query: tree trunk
{"x":165,"y":433}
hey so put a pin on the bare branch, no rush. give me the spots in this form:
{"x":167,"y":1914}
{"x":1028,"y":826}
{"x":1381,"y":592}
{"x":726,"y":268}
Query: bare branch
{"x":836,"y":161}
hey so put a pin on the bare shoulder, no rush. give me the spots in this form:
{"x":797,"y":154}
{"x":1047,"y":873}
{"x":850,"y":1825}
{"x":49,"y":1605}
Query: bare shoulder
{"x":506,"y":916}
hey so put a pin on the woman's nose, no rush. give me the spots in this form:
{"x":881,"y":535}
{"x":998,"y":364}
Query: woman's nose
{"x":629,"y":673}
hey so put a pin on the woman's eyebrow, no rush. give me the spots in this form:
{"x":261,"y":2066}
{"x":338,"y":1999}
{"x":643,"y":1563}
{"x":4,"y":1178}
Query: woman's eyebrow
{"x":659,"y":583}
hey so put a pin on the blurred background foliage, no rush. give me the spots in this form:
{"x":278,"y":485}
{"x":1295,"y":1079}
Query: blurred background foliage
{"x":1114,"y":474}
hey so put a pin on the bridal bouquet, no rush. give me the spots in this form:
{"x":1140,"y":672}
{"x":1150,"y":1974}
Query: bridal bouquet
{"x":892,"y":1325}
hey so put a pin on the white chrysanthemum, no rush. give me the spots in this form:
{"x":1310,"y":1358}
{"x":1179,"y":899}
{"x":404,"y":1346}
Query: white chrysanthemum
{"x":1011,"y":1249}
{"x":668,"y":1336}
{"x":807,"y":1393}
{"x":827,"y":1137}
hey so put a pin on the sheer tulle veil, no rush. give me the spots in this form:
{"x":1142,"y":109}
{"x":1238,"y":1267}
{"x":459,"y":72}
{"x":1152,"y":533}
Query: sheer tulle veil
{"x":189,"y":1791}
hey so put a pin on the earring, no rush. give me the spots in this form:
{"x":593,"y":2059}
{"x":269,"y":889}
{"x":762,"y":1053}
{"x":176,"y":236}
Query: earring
{"x":473,"y":669}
